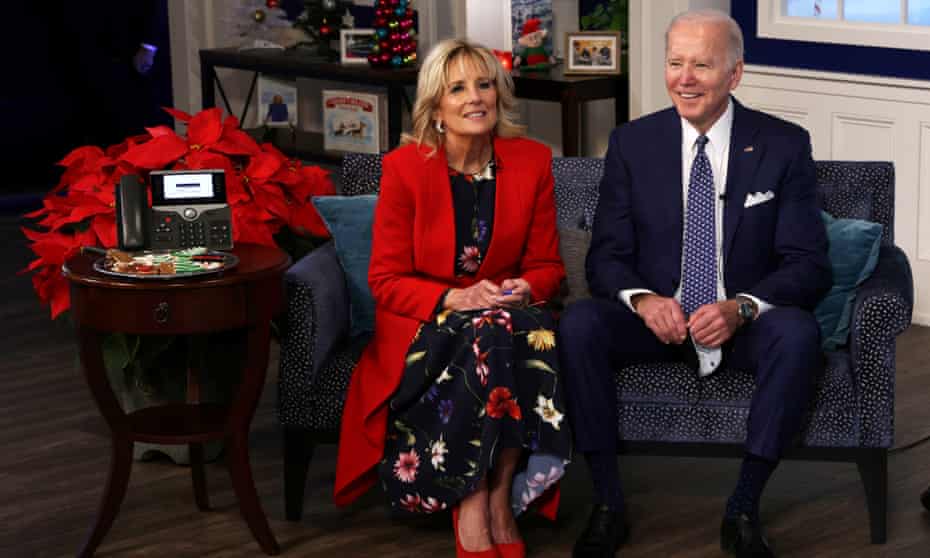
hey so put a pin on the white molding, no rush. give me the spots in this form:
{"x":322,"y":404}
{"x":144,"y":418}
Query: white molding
{"x":429,"y":34}
{"x":836,"y":76}
{"x":923,"y":192}
{"x":773,"y":24}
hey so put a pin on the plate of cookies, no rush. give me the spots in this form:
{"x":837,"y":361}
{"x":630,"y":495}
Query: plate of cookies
{"x":175,"y":264}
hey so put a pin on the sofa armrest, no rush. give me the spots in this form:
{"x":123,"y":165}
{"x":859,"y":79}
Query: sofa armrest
{"x":881,"y":311}
{"x":317,"y":316}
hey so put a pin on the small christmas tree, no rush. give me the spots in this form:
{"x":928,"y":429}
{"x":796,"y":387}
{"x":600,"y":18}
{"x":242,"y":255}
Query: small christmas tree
{"x":395,"y":45}
{"x":322,"y":20}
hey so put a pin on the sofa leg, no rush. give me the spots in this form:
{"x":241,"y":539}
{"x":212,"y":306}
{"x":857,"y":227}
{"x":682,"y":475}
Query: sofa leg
{"x":873,"y":469}
{"x":299,"y":444}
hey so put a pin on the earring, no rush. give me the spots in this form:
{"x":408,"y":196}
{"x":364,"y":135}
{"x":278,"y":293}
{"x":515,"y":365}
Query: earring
{"x":439,"y":127}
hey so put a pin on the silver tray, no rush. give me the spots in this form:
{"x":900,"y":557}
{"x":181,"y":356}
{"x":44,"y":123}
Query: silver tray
{"x":229,"y":261}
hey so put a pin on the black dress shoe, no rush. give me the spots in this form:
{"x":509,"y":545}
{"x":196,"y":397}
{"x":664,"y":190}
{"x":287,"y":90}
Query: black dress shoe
{"x":606,"y":531}
{"x":743,"y":537}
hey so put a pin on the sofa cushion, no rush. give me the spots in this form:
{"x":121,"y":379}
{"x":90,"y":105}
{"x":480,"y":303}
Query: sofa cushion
{"x":573,"y":246}
{"x":668,"y":402}
{"x":853,"y":251}
{"x":349,"y":220}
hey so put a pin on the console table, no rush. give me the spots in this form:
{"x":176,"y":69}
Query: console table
{"x":569,"y":91}
{"x":245,"y":297}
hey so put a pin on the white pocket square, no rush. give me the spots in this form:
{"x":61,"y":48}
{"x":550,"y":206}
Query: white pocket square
{"x":758,"y":197}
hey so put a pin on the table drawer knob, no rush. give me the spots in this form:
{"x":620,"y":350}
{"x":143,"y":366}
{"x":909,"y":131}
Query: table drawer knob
{"x":161,"y":312}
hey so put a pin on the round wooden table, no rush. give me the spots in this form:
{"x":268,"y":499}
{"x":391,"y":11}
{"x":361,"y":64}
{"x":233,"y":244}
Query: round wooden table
{"x":245,"y":297}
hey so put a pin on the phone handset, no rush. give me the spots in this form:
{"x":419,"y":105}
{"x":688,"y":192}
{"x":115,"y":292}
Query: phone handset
{"x":132,"y":213}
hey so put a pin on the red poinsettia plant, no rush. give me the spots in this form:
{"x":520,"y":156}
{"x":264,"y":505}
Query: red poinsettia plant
{"x":269,"y":194}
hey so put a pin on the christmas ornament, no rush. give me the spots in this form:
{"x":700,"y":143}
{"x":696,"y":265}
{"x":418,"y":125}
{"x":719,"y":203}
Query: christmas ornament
{"x":395,"y":44}
{"x":272,"y":4}
{"x":258,"y":16}
{"x":322,"y":20}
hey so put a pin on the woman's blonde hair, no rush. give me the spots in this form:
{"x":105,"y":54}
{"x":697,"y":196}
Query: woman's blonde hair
{"x":433,"y":81}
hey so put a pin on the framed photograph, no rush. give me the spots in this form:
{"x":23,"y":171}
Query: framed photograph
{"x":592,"y":52}
{"x":355,"y":45}
{"x":277,"y":100}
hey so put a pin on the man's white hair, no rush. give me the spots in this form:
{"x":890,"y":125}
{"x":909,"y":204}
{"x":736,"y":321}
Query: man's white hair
{"x":706,"y":15}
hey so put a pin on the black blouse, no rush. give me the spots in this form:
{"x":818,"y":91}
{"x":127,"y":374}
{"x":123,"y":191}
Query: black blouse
{"x":473,"y":204}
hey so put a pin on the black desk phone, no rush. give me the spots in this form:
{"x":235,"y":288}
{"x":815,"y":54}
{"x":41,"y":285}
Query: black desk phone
{"x":188,"y":209}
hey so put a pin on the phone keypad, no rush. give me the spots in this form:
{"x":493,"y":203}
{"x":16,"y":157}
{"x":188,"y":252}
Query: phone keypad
{"x":220,"y":234}
{"x":192,"y":234}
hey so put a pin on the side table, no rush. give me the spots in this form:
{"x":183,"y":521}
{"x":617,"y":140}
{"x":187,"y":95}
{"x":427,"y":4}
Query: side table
{"x":246,"y":297}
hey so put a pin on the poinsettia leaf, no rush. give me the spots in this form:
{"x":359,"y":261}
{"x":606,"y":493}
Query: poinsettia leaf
{"x":79,"y":154}
{"x":204,"y":128}
{"x":59,"y":294}
{"x":157,"y":131}
{"x":104,"y":227}
{"x":156,"y":154}
{"x":264,"y":165}
{"x":305,"y":220}
{"x":177,"y":114}
{"x":236,"y":142}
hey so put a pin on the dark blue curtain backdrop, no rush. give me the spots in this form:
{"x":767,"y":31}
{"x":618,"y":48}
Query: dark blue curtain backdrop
{"x":890,"y":62}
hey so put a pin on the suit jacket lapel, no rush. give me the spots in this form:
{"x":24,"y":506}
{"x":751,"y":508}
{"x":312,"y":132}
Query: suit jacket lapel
{"x":669,"y":181}
{"x":742,"y":165}
{"x":438,"y":246}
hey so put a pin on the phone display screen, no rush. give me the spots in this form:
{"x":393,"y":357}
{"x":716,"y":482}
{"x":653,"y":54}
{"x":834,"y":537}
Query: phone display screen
{"x":188,"y":186}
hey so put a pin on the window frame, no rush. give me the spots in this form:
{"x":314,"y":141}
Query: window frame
{"x":773,"y":24}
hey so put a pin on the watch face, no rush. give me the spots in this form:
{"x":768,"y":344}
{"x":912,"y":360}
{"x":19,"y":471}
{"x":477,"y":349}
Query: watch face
{"x":745,"y":311}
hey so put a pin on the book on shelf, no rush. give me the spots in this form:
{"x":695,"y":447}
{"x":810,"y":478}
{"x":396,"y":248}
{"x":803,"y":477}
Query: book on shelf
{"x":354,"y":121}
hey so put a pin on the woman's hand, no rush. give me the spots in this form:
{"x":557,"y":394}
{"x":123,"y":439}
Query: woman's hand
{"x":514,"y":293}
{"x":483,"y":294}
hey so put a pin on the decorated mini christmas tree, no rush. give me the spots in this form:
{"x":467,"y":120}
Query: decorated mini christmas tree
{"x":395,"y":45}
{"x":322,"y":20}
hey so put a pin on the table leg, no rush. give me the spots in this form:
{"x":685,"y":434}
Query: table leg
{"x":91,"y":343}
{"x":571,"y":111}
{"x":207,"y":76}
{"x":196,"y":363}
{"x":241,"y":413}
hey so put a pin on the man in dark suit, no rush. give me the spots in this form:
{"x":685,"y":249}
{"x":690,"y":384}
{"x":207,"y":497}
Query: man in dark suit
{"x":708,"y":247}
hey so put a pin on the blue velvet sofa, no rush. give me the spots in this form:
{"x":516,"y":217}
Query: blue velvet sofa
{"x":665,"y":409}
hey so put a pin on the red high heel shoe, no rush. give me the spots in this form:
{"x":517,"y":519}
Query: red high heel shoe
{"x":511,"y":550}
{"x":461,"y":552}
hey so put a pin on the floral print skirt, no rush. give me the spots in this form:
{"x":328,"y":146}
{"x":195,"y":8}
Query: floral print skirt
{"x":474,"y":383}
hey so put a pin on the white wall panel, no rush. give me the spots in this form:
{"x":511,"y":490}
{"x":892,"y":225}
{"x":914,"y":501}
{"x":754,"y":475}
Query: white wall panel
{"x":860,"y":138}
{"x":864,"y":118}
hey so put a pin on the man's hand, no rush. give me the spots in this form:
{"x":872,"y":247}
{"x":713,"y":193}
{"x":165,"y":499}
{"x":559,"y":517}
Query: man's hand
{"x":519,"y":290}
{"x":143,"y":60}
{"x":663,"y":316}
{"x":712,"y":325}
{"x":483,"y":294}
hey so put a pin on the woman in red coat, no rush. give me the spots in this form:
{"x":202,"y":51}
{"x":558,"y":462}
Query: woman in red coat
{"x":456,"y":402}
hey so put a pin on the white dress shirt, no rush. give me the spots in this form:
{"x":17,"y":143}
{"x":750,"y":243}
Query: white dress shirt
{"x":718,"y":153}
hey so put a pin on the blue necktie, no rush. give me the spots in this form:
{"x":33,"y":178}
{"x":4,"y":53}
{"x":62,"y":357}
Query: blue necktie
{"x":699,"y":277}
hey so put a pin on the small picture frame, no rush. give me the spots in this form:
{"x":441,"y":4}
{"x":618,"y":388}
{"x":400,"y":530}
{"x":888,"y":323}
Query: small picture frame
{"x":277,"y":101}
{"x":592,"y":52}
{"x":355,"y":45}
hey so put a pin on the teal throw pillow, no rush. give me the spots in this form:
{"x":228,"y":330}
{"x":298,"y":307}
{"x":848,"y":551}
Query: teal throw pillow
{"x":349,"y":220}
{"x":854,"y":247}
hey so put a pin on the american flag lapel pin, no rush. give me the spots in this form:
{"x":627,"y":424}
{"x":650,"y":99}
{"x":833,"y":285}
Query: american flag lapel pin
{"x":749,"y":149}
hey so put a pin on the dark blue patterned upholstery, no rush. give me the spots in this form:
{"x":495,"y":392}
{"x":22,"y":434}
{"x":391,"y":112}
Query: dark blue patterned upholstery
{"x":854,"y":403}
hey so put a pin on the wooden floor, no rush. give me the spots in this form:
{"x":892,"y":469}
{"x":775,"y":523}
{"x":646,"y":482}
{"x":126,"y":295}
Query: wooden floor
{"x":55,"y":454}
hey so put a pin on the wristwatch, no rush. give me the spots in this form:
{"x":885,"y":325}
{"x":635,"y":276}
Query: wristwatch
{"x":746,"y":310}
